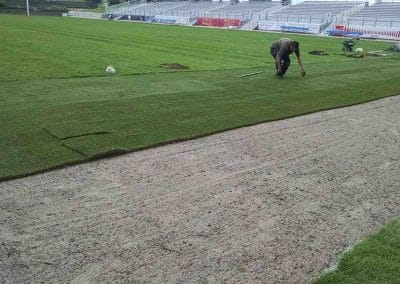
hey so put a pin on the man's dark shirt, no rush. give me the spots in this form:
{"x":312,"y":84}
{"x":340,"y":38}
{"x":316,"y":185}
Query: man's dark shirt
{"x":283,"y":47}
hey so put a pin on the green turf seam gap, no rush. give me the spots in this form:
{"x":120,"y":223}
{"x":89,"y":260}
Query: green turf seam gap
{"x":61,"y":140}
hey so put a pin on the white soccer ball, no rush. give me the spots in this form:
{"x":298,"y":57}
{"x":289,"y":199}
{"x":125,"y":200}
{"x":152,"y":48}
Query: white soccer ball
{"x":110,"y":70}
{"x":359,"y":50}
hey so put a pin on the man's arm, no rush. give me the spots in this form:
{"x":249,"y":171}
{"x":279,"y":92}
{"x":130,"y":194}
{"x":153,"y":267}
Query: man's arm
{"x":278,"y":63}
{"x":303,"y":72}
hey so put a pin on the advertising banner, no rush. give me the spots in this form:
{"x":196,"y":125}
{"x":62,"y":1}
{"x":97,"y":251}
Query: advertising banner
{"x":172,"y":20}
{"x":289,"y":27}
{"x":216,"y":22}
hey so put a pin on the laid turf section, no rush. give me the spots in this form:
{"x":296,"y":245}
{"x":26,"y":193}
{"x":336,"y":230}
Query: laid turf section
{"x":374,"y":260}
{"x":59,"y":107}
{"x":56,"y":47}
{"x":65,"y":47}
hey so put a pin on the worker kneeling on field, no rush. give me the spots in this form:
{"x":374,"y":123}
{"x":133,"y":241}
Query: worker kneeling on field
{"x":281,"y":50}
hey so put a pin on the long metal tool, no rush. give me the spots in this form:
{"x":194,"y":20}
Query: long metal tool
{"x":249,"y":74}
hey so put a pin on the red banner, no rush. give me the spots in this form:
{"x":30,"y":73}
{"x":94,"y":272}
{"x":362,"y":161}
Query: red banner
{"x":215,"y":22}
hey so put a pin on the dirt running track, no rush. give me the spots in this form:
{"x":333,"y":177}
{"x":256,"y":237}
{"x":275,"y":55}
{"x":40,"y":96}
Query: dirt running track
{"x":271,"y":203}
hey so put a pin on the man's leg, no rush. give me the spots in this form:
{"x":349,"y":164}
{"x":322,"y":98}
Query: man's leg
{"x":285,"y":65}
{"x":274,"y":53}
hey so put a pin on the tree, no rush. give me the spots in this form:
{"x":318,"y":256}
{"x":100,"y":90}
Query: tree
{"x":114,"y":2}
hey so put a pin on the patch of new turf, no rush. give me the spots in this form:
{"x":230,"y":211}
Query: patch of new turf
{"x":374,"y":260}
{"x":77,"y":119}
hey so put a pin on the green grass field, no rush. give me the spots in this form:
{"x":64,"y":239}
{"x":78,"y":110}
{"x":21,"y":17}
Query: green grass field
{"x":58,"y":106}
{"x":374,"y":260}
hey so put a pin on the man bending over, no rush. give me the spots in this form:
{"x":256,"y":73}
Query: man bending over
{"x":281,"y":50}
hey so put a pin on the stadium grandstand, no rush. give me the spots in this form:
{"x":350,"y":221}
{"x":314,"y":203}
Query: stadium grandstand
{"x":308,"y":16}
{"x":313,"y":11}
{"x":209,"y":13}
{"x":379,"y":20}
{"x":343,"y":18}
{"x":383,"y":14}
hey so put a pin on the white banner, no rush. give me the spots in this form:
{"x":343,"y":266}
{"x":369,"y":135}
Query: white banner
{"x":87,"y":15}
{"x":289,"y":27}
{"x":172,"y":20}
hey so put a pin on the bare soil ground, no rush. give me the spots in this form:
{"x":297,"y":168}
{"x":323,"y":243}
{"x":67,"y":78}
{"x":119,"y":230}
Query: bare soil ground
{"x":271,"y":203}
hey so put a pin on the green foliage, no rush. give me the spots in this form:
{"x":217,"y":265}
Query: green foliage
{"x":114,"y":2}
{"x":2,"y":3}
{"x":374,"y":260}
{"x":51,"y":5}
{"x":94,"y":2}
{"x":58,"y":106}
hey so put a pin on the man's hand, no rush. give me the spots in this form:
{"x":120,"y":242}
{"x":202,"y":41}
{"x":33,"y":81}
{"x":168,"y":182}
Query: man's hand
{"x":303,"y":73}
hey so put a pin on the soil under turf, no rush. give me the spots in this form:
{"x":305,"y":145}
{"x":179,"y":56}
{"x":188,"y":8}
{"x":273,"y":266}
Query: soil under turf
{"x":270,"y":203}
